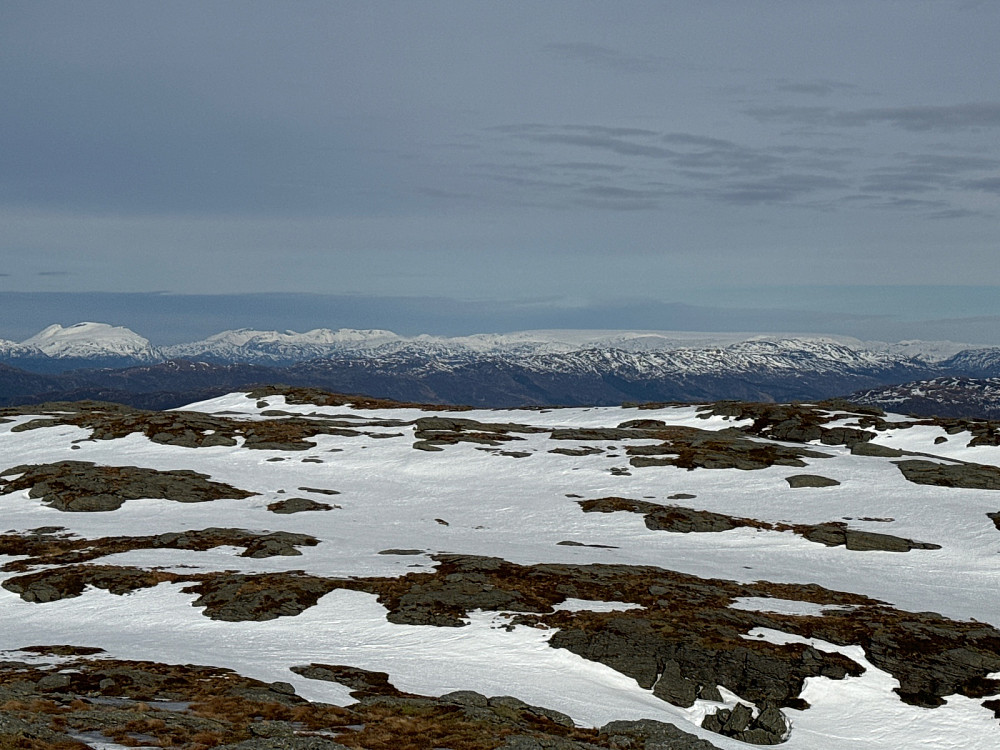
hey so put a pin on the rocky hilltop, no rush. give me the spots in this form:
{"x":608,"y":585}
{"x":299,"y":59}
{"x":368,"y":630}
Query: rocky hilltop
{"x":336,"y":571}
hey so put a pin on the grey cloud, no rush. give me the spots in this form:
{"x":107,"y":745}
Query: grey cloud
{"x":736,"y":159}
{"x":718,"y":153}
{"x":586,"y":166}
{"x":620,"y":199}
{"x":956,"y":213}
{"x":701,"y":166}
{"x":792,"y":114}
{"x":690,"y":139}
{"x":694,"y":151}
{"x":606,"y":57}
{"x":953,"y":117}
{"x":53,"y":273}
{"x":989,"y":185}
{"x":698,"y":166}
{"x":926,"y":172}
{"x":604,"y":143}
{"x":929,"y":207}
{"x":914,"y":118}
{"x":934,"y":209}
{"x":621,"y":141}
{"x":815,"y":88}
{"x":778,"y":189}
{"x":952,"y":164}
{"x":530,"y":128}
{"x":902,"y":182}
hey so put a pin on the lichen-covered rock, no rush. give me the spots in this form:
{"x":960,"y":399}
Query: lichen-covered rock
{"x":769,"y":727}
{"x":80,"y":486}
{"x":297,"y":505}
{"x":652,"y":734}
{"x":967,"y":475}
{"x":239,"y":597}
{"x":874,"y":449}
{"x":810,"y":480}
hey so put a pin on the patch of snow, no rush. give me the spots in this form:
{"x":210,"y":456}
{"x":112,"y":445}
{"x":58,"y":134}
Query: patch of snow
{"x":781,"y":606}
{"x":592,"y":605}
{"x":885,"y":722}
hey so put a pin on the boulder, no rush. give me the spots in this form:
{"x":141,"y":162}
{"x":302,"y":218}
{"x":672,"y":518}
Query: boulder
{"x":810,"y":480}
{"x":966,"y":475}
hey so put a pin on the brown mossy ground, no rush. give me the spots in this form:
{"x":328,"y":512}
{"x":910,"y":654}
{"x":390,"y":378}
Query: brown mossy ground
{"x":690,"y":447}
{"x":803,"y":422}
{"x":318,"y":397}
{"x":194,"y":429}
{"x":48,"y":546}
{"x":684,"y":623}
{"x":142,"y":703}
{"x":687,"y":620}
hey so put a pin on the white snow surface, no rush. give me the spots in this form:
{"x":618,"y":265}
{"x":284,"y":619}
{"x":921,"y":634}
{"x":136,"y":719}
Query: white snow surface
{"x":693,"y":348}
{"x":391,"y":497}
{"x":90,"y":340}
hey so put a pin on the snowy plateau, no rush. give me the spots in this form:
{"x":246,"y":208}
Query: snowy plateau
{"x":287,"y":568}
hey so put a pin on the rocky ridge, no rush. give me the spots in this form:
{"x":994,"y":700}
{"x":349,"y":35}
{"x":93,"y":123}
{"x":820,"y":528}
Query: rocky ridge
{"x":98,"y":361}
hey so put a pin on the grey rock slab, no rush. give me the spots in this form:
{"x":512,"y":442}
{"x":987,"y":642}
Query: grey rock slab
{"x":810,"y":480}
{"x":966,"y":475}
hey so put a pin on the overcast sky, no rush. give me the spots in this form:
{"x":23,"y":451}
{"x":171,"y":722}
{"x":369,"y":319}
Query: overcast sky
{"x":568,"y":158}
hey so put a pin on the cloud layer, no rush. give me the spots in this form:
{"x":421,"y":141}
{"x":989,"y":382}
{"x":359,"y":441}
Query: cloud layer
{"x":498,"y":151}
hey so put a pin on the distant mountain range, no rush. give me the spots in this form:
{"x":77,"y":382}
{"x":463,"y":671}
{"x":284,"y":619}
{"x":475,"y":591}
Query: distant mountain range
{"x":532,"y":368}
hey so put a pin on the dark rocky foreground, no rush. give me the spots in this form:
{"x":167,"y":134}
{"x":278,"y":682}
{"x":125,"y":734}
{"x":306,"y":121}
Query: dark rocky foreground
{"x":81,"y":697}
{"x":683,"y":641}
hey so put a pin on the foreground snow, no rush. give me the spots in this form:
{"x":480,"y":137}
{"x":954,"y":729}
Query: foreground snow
{"x":464,"y":499}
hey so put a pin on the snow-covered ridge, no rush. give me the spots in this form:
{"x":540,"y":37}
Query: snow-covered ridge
{"x":91,"y":340}
{"x":943,"y":396}
{"x":248,"y":345}
{"x":632,"y":353}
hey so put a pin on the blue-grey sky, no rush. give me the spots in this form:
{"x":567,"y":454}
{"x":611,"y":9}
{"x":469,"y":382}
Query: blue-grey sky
{"x":809,"y":158}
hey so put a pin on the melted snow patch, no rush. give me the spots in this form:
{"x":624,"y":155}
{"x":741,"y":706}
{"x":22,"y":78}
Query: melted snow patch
{"x":781,"y":606}
{"x":594,"y":605}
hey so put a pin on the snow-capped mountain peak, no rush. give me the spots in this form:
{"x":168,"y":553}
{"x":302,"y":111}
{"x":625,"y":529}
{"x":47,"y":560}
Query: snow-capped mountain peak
{"x":250,"y":345}
{"x":90,"y":340}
